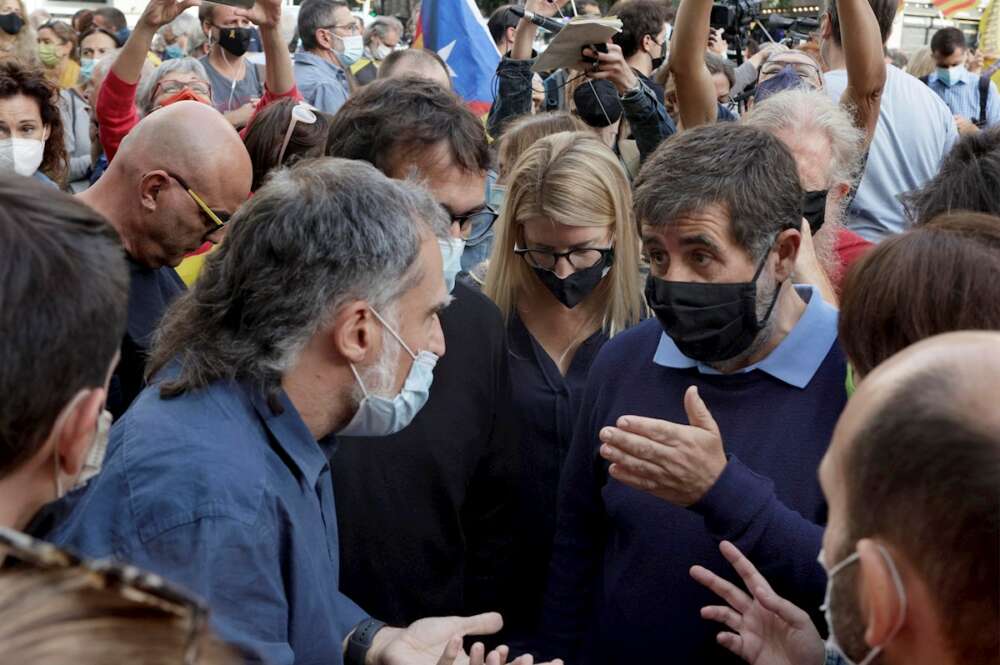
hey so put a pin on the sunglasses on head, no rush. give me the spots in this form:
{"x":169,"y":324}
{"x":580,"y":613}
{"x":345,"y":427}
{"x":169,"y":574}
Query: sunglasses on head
{"x":143,"y":588}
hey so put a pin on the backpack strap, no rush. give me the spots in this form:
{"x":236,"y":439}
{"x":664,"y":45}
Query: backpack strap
{"x":984,"y":97}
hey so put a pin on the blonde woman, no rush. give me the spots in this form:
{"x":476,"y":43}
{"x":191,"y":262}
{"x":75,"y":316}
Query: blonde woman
{"x":17,"y":37}
{"x":565,"y":274}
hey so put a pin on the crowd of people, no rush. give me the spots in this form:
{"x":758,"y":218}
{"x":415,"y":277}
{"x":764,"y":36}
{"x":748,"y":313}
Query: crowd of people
{"x":665,"y":359}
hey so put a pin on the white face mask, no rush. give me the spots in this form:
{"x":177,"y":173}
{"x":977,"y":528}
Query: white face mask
{"x":382,"y":416}
{"x":21,"y":156}
{"x":95,"y":457}
{"x":831,"y":642}
{"x":354,"y":48}
{"x":382,"y":52}
{"x":451,"y":256}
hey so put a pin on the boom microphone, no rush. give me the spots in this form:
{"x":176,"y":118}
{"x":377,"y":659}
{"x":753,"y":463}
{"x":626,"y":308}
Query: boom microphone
{"x":545,"y":22}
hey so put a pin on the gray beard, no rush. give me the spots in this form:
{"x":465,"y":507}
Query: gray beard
{"x":767,"y":291}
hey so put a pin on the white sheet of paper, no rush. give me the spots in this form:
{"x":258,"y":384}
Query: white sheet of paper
{"x":564,"y":49}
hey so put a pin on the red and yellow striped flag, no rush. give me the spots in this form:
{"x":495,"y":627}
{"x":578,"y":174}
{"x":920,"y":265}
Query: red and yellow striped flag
{"x":952,"y":7}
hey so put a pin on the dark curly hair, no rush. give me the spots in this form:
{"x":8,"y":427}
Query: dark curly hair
{"x":19,"y":79}
{"x":391,"y":118}
{"x":639,"y":18}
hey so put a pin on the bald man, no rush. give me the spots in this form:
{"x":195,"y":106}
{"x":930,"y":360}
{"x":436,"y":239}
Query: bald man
{"x":912,"y":546}
{"x":416,"y":62}
{"x":177,"y":178}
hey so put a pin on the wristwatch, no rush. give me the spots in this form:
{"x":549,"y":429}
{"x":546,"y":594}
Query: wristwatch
{"x":361,"y":641}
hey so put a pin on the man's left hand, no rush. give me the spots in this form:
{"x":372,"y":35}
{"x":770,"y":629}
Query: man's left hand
{"x":677,"y":463}
{"x":264,"y":13}
{"x":965,"y":126}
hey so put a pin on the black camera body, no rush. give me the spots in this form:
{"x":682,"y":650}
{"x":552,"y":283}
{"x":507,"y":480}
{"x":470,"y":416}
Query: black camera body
{"x":735,"y":17}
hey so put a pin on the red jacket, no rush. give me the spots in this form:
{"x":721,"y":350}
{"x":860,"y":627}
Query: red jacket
{"x":117,"y":114}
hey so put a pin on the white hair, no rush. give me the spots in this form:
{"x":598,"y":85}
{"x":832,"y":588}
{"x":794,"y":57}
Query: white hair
{"x":805,"y":110}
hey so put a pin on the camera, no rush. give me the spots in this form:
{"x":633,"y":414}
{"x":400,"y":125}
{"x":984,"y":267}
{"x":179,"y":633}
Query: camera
{"x":735,"y":17}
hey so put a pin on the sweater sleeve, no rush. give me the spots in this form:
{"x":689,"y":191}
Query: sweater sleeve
{"x":742,"y":507}
{"x":578,"y":545}
{"x":116,"y":112}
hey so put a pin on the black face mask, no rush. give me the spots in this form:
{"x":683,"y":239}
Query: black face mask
{"x":658,"y":62}
{"x":708,"y":322}
{"x":814,"y":209}
{"x":235,"y":40}
{"x":572,"y":290}
{"x":11,"y":23}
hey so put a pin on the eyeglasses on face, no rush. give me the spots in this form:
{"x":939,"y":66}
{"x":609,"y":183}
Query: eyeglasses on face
{"x":351,"y":28}
{"x":173,"y":87}
{"x":578,"y":258}
{"x":218,"y":218}
{"x":138,"y":586}
{"x":476,"y":225}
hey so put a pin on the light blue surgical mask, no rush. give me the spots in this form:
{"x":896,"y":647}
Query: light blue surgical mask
{"x":173,"y":52}
{"x":831,"y":641}
{"x":87,"y":68}
{"x":951,"y":75}
{"x":451,"y":256}
{"x":382,"y":416}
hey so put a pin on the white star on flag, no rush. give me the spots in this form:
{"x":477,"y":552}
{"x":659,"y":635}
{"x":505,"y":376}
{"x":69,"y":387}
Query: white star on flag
{"x":445,"y":53}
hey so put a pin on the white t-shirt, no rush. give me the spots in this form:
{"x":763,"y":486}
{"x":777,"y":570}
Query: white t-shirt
{"x":915,"y":131}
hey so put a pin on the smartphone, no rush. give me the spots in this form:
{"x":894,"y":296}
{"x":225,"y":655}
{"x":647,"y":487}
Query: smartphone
{"x":245,"y":4}
{"x":599,"y":48}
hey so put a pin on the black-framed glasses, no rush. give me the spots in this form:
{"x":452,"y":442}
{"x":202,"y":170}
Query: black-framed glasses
{"x":131,"y":583}
{"x":476,"y":225}
{"x":585,"y":257}
{"x":219,"y":218}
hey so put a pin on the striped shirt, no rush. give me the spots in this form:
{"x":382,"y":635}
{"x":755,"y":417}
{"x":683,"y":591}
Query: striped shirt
{"x":963,"y":97}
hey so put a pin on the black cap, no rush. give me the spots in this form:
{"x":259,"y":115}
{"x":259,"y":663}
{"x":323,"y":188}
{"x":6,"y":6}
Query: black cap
{"x":597,"y":103}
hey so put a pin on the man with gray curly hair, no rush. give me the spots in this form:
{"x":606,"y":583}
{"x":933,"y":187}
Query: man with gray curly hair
{"x":317,"y":316}
{"x":827,"y":147}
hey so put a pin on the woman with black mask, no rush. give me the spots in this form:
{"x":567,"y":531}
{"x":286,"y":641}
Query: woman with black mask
{"x":565,"y":274}
{"x":17,"y":38}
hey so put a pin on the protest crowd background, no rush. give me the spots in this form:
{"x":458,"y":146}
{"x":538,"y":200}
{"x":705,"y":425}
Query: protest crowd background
{"x":565,"y":332}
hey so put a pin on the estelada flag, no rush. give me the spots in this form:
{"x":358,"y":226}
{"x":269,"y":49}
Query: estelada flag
{"x":456,"y":31}
{"x":952,"y":7}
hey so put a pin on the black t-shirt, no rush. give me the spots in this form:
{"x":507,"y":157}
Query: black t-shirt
{"x":426,"y":515}
{"x":150,"y":293}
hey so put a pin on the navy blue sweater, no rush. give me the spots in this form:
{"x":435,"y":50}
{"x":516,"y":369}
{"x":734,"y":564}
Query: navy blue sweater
{"x":619,"y":589}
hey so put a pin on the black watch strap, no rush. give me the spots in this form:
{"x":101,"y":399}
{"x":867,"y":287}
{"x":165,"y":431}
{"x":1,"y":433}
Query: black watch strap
{"x":361,"y":641}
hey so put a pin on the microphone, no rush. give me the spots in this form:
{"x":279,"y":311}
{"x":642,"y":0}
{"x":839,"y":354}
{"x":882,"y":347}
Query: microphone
{"x":545,"y":22}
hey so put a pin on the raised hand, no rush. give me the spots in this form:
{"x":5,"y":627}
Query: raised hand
{"x":766,"y":628}
{"x":160,"y":12}
{"x":678,"y":463}
{"x":611,"y":66}
{"x":544,"y":7}
{"x":264,"y":13}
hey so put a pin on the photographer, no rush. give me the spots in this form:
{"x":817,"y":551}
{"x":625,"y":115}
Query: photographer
{"x":642,"y":108}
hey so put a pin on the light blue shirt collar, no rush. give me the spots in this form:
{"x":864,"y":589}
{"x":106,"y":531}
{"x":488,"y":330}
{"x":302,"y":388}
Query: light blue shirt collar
{"x":794,"y":361}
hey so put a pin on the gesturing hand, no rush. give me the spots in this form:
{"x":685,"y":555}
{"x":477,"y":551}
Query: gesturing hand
{"x":611,"y":66}
{"x":438,"y":641}
{"x":544,"y":7}
{"x":264,"y":13}
{"x":678,"y":463}
{"x":160,"y":12}
{"x":767,"y":629}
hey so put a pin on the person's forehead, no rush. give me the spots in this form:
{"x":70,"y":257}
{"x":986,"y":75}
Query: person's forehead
{"x":98,"y":40}
{"x":342,"y":16}
{"x":792,"y":58}
{"x":711,"y":222}
{"x":19,"y":106}
{"x":543,"y":231}
{"x":181,"y":77}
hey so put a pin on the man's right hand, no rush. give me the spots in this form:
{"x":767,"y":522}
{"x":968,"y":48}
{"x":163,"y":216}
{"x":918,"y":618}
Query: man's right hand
{"x":160,"y":12}
{"x":965,"y":126}
{"x":767,"y":629}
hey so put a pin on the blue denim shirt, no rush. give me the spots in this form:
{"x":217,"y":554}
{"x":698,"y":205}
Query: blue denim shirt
{"x":322,"y":84}
{"x":216,"y":492}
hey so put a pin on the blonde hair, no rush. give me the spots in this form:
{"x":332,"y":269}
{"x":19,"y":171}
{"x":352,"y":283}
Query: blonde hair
{"x":26,"y":41}
{"x":58,"y":617}
{"x":570,"y":178}
{"x":523,"y":132}
{"x":922,"y":63}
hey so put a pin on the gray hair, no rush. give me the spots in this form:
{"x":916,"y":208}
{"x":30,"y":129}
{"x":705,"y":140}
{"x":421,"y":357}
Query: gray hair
{"x":313,"y":15}
{"x":185,"y":25}
{"x":315,"y":237}
{"x":381,"y":27}
{"x":802,"y":110}
{"x":746,"y":171}
{"x":150,"y":80}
